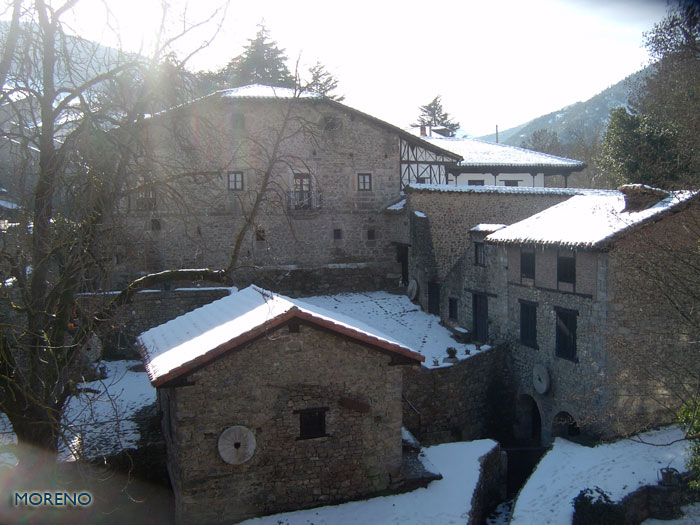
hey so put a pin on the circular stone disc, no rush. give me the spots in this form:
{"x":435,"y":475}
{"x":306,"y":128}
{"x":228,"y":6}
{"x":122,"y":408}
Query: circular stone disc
{"x":236,"y":445}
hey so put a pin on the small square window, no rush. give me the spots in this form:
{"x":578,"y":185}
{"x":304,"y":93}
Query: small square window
{"x":371,"y":235}
{"x":331,"y":123}
{"x":337,"y":234}
{"x":511,"y":183}
{"x":453,"y":308}
{"x":312,"y":423}
{"x":155,"y":225}
{"x":566,"y":268}
{"x":235,"y":180}
{"x":479,"y":254}
{"x":259,"y":234}
{"x":527,"y":264}
{"x":566,"y":333}
{"x":364,"y":182}
{"x":528,"y":324}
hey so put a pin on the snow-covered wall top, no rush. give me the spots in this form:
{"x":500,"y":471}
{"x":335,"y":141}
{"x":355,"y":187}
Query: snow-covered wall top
{"x":520,"y":190}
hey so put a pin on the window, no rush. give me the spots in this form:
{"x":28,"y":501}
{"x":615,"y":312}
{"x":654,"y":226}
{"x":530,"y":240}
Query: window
{"x":479,"y":254}
{"x":475,"y":182}
{"x":235,"y":180}
{"x":331,"y":123}
{"x":146,"y":200}
{"x":337,"y":234}
{"x":238,"y":121}
{"x":155,"y":225}
{"x":259,"y":234}
{"x":312,"y":423}
{"x":527,"y":264}
{"x":452,"y":308}
{"x":511,"y":183}
{"x":371,"y":235}
{"x":566,"y":268}
{"x":566,"y":333}
{"x":528,"y":324}
{"x":364,"y":182}
{"x":302,"y":191}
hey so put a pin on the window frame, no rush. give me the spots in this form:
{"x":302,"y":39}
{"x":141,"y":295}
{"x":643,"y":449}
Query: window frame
{"x":528,"y":323}
{"x":565,"y":333}
{"x":237,"y":178}
{"x":364,"y":181}
{"x":476,"y":182}
{"x":312,"y":423}
{"x":479,"y":254}
{"x":527,"y":253}
{"x":566,"y":267}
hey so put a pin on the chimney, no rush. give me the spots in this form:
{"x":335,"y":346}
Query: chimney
{"x":639,"y":197}
{"x":422,"y":130}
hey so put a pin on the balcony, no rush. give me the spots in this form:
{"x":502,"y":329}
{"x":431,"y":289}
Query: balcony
{"x":303,"y":201}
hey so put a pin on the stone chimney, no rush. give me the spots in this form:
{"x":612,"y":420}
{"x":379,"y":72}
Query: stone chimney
{"x":423,"y":131}
{"x":639,"y":197}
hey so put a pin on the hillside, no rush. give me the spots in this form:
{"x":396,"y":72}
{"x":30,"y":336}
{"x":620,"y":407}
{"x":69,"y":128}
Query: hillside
{"x":569,"y":122}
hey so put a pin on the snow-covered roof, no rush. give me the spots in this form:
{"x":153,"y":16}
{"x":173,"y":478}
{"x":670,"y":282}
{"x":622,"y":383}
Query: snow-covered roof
{"x":8,"y":205}
{"x":398,"y":206}
{"x":197,"y":337}
{"x":584,"y":221}
{"x":487,"y":227}
{"x":262,"y":91}
{"x":518,"y":190}
{"x":479,"y":153}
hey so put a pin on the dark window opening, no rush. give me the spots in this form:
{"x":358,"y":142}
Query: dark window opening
{"x":146,"y":200}
{"x":331,"y":123}
{"x":259,"y":234}
{"x":566,"y":268}
{"x":475,"y":182}
{"x":312,"y":423}
{"x":337,"y":234}
{"x":422,"y":180}
{"x":564,"y":425}
{"x":566,"y":334}
{"x":302,"y":191}
{"x":479,"y":254}
{"x":453,"y":308}
{"x":527,"y":264}
{"x":511,"y":183}
{"x":528,"y":324}
{"x":155,"y":225}
{"x":235,"y":180}
{"x":371,"y":235}
{"x":238,"y":121}
{"x":364,"y":182}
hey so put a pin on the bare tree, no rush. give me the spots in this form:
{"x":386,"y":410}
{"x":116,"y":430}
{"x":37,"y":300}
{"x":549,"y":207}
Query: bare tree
{"x":72,"y":107}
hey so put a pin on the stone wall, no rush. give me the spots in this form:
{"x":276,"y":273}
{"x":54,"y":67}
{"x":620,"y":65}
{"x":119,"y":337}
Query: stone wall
{"x":490,"y":489}
{"x":259,"y":386}
{"x":458,"y":403}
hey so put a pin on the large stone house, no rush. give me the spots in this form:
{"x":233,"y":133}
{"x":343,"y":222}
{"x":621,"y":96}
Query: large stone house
{"x":290,"y":181}
{"x":599,"y":340}
{"x":270,"y":404}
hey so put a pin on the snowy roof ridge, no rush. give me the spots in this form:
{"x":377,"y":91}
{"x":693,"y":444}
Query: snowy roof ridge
{"x":197,"y":337}
{"x":486,"y":227}
{"x":265,"y":91}
{"x":523,"y":190}
{"x":586,"y":221}
{"x":477,"y":152}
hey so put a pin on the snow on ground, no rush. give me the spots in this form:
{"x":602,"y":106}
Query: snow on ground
{"x":399,"y":318}
{"x":445,"y":501}
{"x":617,"y":468}
{"x":100,"y":418}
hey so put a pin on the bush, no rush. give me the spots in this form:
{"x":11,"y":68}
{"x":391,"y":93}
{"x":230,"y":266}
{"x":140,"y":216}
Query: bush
{"x":689,"y":420}
{"x":595,"y":506}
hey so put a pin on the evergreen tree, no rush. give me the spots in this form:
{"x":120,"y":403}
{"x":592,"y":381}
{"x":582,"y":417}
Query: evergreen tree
{"x":262,"y":62}
{"x":435,"y":116}
{"x":323,"y":82}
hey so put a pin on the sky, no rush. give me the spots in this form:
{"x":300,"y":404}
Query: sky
{"x":494,"y":63}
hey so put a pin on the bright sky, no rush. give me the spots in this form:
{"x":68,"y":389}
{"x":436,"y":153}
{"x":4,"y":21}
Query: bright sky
{"x":494,"y":62}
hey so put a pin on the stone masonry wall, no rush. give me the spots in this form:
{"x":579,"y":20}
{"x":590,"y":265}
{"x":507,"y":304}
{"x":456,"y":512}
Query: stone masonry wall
{"x":457,"y":403}
{"x":259,"y":386}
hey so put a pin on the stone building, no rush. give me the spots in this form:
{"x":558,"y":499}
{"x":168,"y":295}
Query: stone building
{"x":588,"y":323}
{"x":271,"y":404}
{"x":289,"y":181}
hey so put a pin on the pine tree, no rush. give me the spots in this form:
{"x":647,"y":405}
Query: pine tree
{"x":435,"y":116}
{"x":262,"y":62}
{"x":323,"y":82}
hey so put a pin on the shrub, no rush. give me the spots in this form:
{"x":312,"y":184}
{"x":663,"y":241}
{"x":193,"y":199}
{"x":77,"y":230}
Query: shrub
{"x":595,"y":506}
